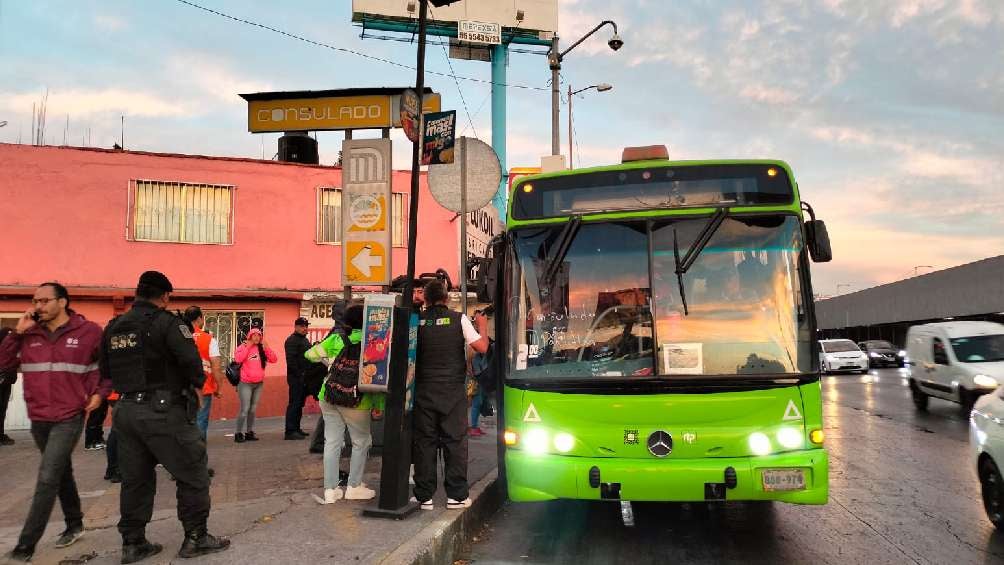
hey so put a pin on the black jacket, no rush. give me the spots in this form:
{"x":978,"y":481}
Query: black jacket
{"x":296,"y":364}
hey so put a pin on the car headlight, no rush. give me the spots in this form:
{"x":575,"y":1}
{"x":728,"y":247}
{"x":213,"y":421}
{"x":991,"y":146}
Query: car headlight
{"x":901,"y":353}
{"x":985,"y":381}
{"x":873,"y":354}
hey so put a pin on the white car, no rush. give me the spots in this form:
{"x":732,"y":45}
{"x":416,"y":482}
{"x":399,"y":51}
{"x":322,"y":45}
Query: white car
{"x":986,"y":436}
{"x":837,"y":355}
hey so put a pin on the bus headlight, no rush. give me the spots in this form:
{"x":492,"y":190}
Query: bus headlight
{"x":510,"y":438}
{"x":759,"y":443}
{"x":789,"y":438}
{"x":536,"y":441}
{"x":985,"y":381}
{"x":564,"y":442}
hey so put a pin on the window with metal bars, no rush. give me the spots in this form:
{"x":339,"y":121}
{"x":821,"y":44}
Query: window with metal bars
{"x":181,"y":212}
{"x":329,"y":217}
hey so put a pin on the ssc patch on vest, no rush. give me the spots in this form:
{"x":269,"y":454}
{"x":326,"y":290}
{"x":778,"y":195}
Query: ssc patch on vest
{"x":185,"y":331}
{"x":442,"y":321}
{"x":125,"y":341}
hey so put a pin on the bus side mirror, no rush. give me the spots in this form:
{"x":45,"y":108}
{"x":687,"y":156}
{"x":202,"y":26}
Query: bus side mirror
{"x":818,"y":241}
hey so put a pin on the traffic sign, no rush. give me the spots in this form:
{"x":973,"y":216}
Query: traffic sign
{"x":474,"y":173}
{"x":366,"y":229}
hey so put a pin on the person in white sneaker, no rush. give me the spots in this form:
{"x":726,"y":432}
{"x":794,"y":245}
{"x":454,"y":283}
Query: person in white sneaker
{"x":343,"y":406}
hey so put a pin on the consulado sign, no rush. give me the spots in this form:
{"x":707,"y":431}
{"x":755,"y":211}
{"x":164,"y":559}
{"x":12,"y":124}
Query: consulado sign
{"x":439,"y":129}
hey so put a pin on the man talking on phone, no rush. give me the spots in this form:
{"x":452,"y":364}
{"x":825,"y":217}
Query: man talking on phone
{"x":58,"y":352}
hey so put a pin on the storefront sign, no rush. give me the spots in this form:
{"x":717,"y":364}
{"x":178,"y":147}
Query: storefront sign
{"x":378,"y":329}
{"x":329,"y":112}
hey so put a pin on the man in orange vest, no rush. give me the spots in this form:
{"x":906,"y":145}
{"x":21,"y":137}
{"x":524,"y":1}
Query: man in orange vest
{"x":209,"y":351}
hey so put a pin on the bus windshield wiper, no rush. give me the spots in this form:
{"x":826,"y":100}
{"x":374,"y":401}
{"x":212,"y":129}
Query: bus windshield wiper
{"x":695,"y":250}
{"x":561,"y":248}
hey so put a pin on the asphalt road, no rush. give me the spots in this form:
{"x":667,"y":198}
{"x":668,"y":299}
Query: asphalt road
{"x":902,"y":490}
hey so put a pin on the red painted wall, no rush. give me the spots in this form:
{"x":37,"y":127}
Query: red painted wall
{"x":73,"y":203}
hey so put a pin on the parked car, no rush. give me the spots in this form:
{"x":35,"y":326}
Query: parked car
{"x":883,"y":353}
{"x":986,"y":436}
{"x":957,"y":361}
{"x":839,"y":355}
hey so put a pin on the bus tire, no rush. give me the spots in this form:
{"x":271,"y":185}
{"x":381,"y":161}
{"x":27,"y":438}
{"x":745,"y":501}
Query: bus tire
{"x":992,"y":489}
{"x":920,"y":399}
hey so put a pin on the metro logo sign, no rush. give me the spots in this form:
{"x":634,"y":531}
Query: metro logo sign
{"x":366,"y":199}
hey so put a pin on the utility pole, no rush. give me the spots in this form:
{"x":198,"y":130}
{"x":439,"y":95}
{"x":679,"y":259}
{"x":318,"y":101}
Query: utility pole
{"x":555,"y":63}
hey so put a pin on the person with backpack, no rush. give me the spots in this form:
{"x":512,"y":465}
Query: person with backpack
{"x":318,"y":372}
{"x":343,"y":406}
{"x":253,"y":355}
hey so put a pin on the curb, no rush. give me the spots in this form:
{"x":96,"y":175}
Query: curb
{"x":443,"y":539}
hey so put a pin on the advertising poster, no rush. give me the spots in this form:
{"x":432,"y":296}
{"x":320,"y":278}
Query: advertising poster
{"x":438,"y":138}
{"x":378,"y":328}
{"x":409,"y":398}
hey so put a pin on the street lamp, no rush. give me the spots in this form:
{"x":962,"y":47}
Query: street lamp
{"x":602,"y":87}
{"x":920,"y":267}
{"x":554,"y":59}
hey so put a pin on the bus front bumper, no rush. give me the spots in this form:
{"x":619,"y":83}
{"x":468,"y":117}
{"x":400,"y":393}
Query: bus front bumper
{"x":534,"y":477}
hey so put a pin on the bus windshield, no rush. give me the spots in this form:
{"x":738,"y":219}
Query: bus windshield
{"x":612,"y":308}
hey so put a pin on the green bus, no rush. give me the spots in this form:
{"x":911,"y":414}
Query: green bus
{"x":655,"y":334}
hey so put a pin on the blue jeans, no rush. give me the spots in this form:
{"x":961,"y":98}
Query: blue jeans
{"x":56,"y":441}
{"x":336,"y":419}
{"x":476,"y":408}
{"x":202,"y":417}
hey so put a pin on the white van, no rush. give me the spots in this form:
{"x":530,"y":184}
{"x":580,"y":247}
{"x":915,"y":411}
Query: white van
{"x":957,"y":361}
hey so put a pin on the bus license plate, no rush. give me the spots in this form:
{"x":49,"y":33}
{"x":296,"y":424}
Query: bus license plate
{"x":783,"y":479}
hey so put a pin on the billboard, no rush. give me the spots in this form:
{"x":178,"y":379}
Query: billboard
{"x":329,"y":110}
{"x":537,"y":18}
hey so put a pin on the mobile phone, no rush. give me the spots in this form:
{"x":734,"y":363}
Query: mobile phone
{"x":34,"y":316}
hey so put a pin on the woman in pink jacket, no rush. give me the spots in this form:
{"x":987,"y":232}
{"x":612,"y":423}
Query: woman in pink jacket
{"x":253,"y":355}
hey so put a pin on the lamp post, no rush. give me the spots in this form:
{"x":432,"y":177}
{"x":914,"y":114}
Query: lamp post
{"x":920,"y":267}
{"x":554,"y":59}
{"x":602,"y":87}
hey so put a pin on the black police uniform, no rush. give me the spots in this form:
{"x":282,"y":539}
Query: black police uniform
{"x":155,"y":366}
{"x":440,"y":415}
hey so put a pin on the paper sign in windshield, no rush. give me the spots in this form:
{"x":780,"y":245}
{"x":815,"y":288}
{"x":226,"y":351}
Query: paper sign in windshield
{"x":683,"y":358}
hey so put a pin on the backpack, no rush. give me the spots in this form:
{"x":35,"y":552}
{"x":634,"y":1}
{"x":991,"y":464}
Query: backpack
{"x":487,"y":378}
{"x":342,"y":385}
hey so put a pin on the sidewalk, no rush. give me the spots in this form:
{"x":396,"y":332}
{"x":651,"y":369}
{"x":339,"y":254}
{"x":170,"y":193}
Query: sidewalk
{"x":262,"y":500}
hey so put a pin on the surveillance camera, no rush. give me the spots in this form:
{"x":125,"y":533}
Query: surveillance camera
{"x":615,"y":42}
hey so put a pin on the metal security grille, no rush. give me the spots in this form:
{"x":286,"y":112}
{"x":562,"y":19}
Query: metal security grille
{"x":231,"y":328}
{"x":397,"y":216}
{"x":182,"y":212}
{"x":329,"y":215}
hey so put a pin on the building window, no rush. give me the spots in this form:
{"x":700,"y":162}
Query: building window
{"x":181,"y":212}
{"x":329,"y":217}
{"x":9,"y":320}
{"x":231,"y":328}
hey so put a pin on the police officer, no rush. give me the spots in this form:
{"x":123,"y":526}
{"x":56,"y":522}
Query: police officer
{"x":153,"y":363}
{"x":440,"y":416}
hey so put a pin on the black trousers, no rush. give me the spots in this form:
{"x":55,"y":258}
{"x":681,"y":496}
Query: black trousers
{"x":4,"y":400}
{"x":94,"y":430}
{"x":440,"y":422}
{"x":56,"y":441}
{"x":145,"y":438}
{"x":317,"y":436}
{"x":297,"y":398}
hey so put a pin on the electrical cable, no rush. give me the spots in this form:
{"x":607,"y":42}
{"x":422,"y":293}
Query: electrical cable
{"x":345,"y":50}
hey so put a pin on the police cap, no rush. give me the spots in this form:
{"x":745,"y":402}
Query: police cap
{"x":157,"y":280}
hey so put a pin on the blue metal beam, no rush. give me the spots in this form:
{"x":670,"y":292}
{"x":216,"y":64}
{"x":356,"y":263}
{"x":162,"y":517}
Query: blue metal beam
{"x":509,"y":35}
{"x":500,"y":60}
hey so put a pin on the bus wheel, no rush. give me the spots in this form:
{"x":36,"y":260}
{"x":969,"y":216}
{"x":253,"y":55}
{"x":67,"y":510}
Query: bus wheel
{"x":993,"y":491}
{"x":920,"y":399}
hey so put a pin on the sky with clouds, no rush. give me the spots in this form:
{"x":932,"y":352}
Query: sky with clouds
{"x":890,"y":112}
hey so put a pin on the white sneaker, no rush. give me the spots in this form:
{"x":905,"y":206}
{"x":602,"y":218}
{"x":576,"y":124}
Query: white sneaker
{"x":427,"y":505}
{"x":455,"y":504}
{"x":331,"y":495}
{"x":359,"y":493}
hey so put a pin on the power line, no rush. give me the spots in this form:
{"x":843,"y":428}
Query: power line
{"x":478,"y":111}
{"x":345,"y":50}
{"x":459,"y":90}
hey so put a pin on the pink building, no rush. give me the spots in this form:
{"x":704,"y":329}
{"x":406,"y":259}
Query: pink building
{"x":246,"y":240}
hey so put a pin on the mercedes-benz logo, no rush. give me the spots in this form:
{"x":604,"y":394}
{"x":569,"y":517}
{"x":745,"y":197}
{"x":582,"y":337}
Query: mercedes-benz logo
{"x":660,"y":443}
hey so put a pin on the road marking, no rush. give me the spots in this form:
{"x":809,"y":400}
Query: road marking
{"x":791,"y":412}
{"x":531,"y":414}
